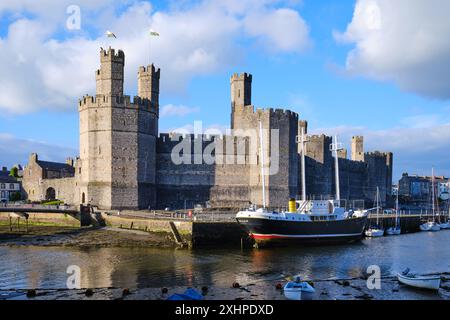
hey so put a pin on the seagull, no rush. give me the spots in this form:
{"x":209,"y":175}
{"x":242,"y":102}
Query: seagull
{"x":109,"y":34}
{"x":154,"y":33}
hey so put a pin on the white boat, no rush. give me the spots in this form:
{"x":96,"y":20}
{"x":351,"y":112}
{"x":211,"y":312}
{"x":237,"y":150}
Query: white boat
{"x":395,"y":230}
{"x":424,"y":282}
{"x":293,"y":289}
{"x":430,"y":226}
{"x":445,"y":225}
{"x":376,"y":231}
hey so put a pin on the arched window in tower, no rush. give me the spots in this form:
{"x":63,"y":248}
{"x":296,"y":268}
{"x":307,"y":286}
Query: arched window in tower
{"x":83,"y":198}
{"x":239,"y":93}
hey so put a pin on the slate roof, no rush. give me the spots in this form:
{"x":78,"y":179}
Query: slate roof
{"x":5,"y":178}
{"x":54,"y":165}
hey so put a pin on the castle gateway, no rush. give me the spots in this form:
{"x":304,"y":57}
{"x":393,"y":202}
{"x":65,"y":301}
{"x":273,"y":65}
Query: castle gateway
{"x":125,"y":163}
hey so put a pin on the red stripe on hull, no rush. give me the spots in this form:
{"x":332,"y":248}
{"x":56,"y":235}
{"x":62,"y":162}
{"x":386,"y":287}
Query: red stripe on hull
{"x":268,"y":237}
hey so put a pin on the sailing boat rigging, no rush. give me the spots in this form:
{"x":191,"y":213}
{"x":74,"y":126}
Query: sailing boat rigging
{"x":431,"y":225}
{"x":376,"y":231}
{"x":395,"y":230}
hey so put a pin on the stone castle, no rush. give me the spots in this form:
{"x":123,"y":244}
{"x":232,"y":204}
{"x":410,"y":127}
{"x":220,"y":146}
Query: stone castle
{"x":125,"y":163}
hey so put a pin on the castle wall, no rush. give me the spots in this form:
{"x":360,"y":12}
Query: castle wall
{"x":123,"y":163}
{"x":181,"y":183}
{"x":378,"y":173}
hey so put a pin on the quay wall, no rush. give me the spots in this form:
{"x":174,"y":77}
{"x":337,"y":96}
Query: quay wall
{"x":60,"y":219}
{"x":218,"y":233}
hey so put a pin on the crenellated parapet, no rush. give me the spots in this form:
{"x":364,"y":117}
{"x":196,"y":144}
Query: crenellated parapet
{"x":204,"y":149}
{"x":99,"y":101}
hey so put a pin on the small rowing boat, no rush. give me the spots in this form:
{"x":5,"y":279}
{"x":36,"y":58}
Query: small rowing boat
{"x":424,"y":282}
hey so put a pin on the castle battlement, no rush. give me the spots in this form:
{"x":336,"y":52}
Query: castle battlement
{"x":149,"y":70}
{"x":242,"y":76}
{"x":111,"y":54}
{"x":116,"y":102}
{"x":376,"y":154}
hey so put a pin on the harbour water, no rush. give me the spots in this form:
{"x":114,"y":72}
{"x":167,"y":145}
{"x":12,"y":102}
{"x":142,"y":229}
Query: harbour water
{"x":45,"y":267}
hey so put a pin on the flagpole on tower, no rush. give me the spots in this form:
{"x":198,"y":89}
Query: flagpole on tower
{"x":153,"y":33}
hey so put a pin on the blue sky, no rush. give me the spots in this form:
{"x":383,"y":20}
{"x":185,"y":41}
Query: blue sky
{"x":344,"y":70}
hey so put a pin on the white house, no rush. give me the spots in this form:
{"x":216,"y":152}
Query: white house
{"x":8,"y":185}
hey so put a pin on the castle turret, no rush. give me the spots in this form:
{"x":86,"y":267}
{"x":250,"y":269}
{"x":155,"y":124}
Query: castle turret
{"x":110,"y":75}
{"x":241,"y":96}
{"x":358,"y":148}
{"x":148,"y":84}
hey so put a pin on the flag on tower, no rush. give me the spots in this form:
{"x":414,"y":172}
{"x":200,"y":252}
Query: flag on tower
{"x":154,"y":33}
{"x":109,"y":34}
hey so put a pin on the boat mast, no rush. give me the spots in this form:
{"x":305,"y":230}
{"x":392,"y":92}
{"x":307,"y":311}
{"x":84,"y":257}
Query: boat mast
{"x":432,"y":193}
{"x":378,"y":203}
{"x":263,"y":176}
{"x":335,"y":147}
{"x":303,"y":166}
{"x":396,"y":210}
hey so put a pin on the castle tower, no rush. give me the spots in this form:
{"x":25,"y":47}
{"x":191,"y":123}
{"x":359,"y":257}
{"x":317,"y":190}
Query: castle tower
{"x":148,"y":92}
{"x":148,"y":84}
{"x":358,"y":148}
{"x":117,"y":139}
{"x":109,"y":77}
{"x":241,"y":96}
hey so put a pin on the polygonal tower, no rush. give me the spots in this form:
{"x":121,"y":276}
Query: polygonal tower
{"x":118,"y":139}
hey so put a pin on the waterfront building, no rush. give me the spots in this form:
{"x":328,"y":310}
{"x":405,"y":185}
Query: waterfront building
{"x":10,"y":187}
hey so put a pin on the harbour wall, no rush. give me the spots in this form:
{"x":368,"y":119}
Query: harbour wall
{"x":59,"y":219}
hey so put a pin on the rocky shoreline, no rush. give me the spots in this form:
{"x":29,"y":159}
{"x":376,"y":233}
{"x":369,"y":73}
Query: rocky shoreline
{"x":342,"y":289}
{"x":65,"y":236}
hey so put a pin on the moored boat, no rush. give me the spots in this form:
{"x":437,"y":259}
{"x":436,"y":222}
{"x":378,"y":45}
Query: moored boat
{"x":396,"y":229}
{"x":430,"y":226}
{"x":393,"y":231}
{"x":308,"y":221}
{"x":376,"y":231}
{"x":423,"y":282}
{"x":293,"y":289}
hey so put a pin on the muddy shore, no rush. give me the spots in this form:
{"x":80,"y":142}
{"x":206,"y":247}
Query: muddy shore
{"x":47,"y":234}
{"x":350,"y":289}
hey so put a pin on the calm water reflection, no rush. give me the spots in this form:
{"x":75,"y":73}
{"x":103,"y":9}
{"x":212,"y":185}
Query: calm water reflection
{"x":40,"y":267}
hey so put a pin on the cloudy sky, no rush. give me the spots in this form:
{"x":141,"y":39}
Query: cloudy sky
{"x":378,"y":68}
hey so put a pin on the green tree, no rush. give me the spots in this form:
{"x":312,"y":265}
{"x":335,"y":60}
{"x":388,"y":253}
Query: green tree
{"x":15,"y":196}
{"x":14,"y":172}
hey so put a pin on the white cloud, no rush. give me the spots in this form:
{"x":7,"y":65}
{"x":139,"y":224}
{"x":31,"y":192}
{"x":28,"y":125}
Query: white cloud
{"x":404,"y":41}
{"x":46,"y":66}
{"x":15,"y":150}
{"x":170,"y":110}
